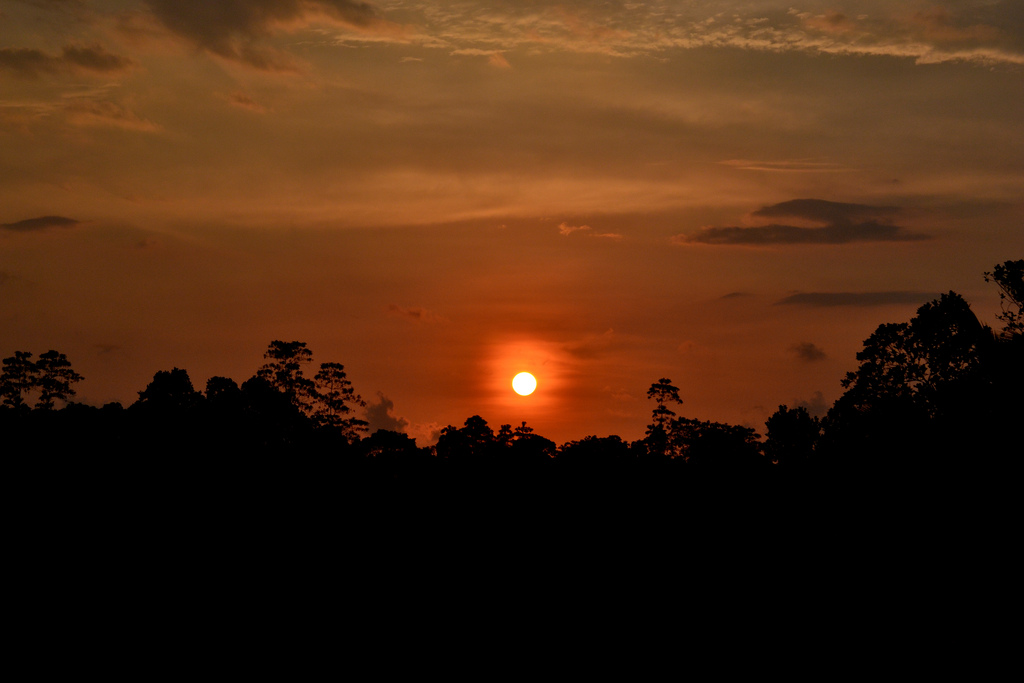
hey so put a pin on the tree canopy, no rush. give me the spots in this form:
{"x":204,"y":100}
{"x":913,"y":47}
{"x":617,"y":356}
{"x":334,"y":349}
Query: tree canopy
{"x":939,"y":392}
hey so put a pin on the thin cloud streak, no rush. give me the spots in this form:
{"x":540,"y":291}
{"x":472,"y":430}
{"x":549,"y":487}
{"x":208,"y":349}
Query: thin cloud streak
{"x":31,"y":63}
{"x":415,"y":314}
{"x":41,"y":223}
{"x":779,"y":235}
{"x":834,"y":299}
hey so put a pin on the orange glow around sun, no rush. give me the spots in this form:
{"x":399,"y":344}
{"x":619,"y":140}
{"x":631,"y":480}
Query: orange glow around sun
{"x":541,"y":362}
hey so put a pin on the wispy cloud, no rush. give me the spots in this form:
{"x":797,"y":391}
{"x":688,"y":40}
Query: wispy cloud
{"x":984,"y":34}
{"x":592,"y":346}
{"x":107,"y":114}
{"x":831,"y":299}
{"x":494,"y":57}
{"x":243,"y":101}
{"x":237,"y":30}
{"x":565,"y":229}
{"x":415,"y":314}
{"x":786,"y":166}
{"x":28,"y":62}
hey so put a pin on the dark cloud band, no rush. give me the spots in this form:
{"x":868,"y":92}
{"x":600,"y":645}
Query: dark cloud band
{"x":41,"y":223}
{"x":30,"y":63}
{"x":230,"y":28}
{"x":842,"y":224}
{"x":830,"y":299}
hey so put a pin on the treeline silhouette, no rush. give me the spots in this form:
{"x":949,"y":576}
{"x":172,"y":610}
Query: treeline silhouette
{"x":941,"y":391}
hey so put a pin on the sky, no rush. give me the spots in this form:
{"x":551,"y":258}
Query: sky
{"x":439,"y":195}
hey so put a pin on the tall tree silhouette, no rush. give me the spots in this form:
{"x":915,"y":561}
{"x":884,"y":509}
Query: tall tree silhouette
{"x":284,"y":371}
{"x":335,"y":398}
{"x":55,"y":378}
{"x":658,"y":437}
{"x":18,"y":378}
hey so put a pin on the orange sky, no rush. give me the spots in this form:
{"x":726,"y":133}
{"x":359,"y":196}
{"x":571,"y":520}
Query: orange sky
{"x":439,"y":195}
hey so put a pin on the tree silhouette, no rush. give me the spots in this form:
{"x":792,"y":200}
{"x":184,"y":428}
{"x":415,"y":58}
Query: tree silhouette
{"x":929,"y":393}
{"x":917,"y":362}
{"x":222,"y":390}
{"x":334,"y":397}
{"x":18,"y":378}
{"x":284,"y":371}
{"x":474,"y":441}
{"x":593,"y":451}
{"x":505,"y":435}
{"x":529,"y":446}
{"x":1009,"y":277}
{"x":170,"y":391}
{"x":715,"y":444}
{"x":54,"y":378}
{"x":791,"y":436}
{"x":657,"y":438}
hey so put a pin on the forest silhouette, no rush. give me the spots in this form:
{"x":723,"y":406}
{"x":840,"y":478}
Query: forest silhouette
{"x":940,"y":392}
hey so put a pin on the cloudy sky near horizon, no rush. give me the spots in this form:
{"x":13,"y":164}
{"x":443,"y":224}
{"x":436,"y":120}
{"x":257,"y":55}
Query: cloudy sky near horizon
{"x":732,"y":194}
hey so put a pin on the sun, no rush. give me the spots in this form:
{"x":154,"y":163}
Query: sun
{"x":524,"y":383}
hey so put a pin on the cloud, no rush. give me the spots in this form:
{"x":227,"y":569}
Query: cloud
{"x":789,"y":234}
{"x":621,"y":29}
{"x":95,"y":58}
{"x":816,"y":406}
{"x":494,"y":57}
{"x":591,"y":346}
{"x":939,"y":25}
{"x":786,"y":166}
{"x":566,"y":229}
{"x":379,"y":416}
{"x":245,"y":102}
{"x":808,"y":352}
{"x":832,"y":299}
{"x":843,"y":224}
{"x":498,"y":60}
{"x":736,"y":295}
{"x":41,"y":223}
{"x":822,"y":211}
{"x":107,"y":114}
{"x":233,"y":29}
{"x":425,"y":434}
{"x":30,"y":63}
{"x":26,"y":62}
{"x":416,"y":314}
{"x":834,"y":23}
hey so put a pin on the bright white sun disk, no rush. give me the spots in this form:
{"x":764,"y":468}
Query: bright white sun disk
{"x":524,"y":383}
